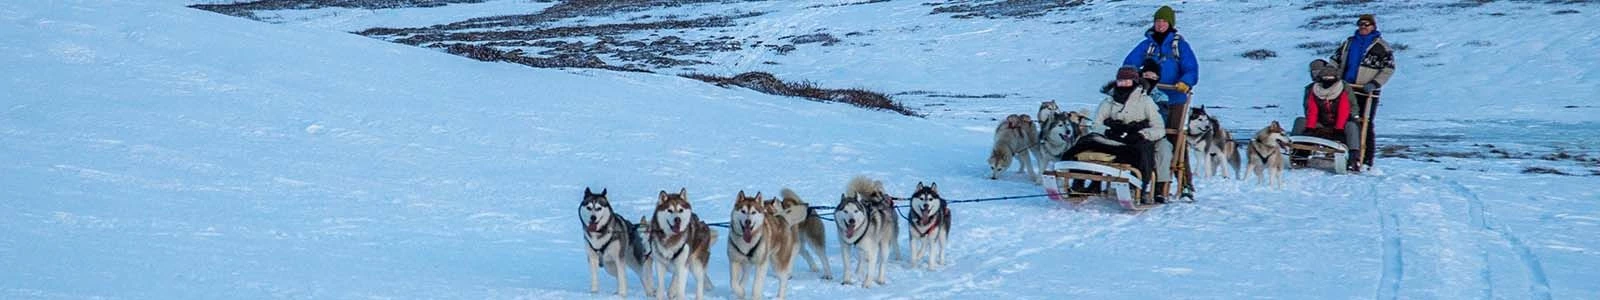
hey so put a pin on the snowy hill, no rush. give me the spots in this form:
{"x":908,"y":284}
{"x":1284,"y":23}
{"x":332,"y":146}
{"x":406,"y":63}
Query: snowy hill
{"x":154,"y":151}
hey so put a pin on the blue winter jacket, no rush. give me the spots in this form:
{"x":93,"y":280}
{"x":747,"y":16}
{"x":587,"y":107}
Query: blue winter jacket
{"x":1358,"y":49}
{"x":1184,"y":67}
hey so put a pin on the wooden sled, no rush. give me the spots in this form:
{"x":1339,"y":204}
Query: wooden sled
{"x":1316,"y":152}
{"x":1117,"y":181}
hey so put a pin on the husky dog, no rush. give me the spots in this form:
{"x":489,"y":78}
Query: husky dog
{"x":1266,"y":154}
{"x":1015,"y":137}
{"x":883,"y":204}
{"x":1214,"y":145}
{"x":1047,"y":111}
{"x":613,"y":242}
{"x":930,"y":225}
{"x":758,"y":237}
{"x":682,"y":245}
{"x":862,"y":225}
{"x":1057,"y":135}
{"x":808,"y":230}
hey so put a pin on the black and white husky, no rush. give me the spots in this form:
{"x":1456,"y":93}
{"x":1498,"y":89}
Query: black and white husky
{"x":930,"y":225}
{"x":1212,"y":144}
{"x":613,"y":243}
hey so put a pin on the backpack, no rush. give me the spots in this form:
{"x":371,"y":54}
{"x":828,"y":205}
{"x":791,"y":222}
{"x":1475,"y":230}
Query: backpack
{"x":1177,"y":53}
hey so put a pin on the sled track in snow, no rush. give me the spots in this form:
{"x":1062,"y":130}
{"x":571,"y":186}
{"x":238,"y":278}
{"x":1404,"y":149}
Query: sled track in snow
{"x":1539,"y":284}
{"x":1393,"y":263}
{"x":1475,"y":219}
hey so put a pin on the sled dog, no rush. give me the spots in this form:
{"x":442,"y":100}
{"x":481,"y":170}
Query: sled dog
{"x":1059,"y":134}
{"x":613,"y":243}
{"x":758,"y":237}
{"x":1014,"y":138}
{"x":1212,"y":144}
{"x":930,"y":225}
{"x":682,"y":245}
{"x":810,"y":235}
{"x":864,"y":226}
{"x":1266,"y":154}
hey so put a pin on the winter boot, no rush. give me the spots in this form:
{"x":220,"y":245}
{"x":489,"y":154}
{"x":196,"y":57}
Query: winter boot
{"x":1162,"y":190}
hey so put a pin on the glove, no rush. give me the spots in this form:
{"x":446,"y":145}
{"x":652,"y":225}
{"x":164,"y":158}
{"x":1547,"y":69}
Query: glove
{"x":1372,"y":86}
{"x":1183,"y":87}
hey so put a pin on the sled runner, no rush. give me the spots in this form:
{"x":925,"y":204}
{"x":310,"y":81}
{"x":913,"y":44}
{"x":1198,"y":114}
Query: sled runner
{"x":1115,"y":181}
{"x":1315,"y":152}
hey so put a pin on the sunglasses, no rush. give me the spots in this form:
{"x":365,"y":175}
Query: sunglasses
{"x":1364,"y":24}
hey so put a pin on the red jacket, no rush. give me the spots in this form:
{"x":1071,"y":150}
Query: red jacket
{"x":1314,"y":109}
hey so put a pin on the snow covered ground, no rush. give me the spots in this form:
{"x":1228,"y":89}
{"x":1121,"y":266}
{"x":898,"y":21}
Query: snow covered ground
{"x":154,"y":151}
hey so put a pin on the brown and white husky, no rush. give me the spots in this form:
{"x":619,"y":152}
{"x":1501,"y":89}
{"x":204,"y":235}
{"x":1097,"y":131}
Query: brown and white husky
{"x":810,"y":235}
{"x":682,"y":245}
{"x":758,"y":237}
{"x":1266,"y":154}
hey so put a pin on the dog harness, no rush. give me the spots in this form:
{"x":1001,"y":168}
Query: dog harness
{"x":942,"y":210}
{"x":749,"y":254}
{"x":1258,"y":153}
{"x":603,"y":229}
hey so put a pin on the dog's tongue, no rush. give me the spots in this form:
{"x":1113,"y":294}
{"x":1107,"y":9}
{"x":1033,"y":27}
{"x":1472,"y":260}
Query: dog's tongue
{"x":675,"y":227}
{"x":594,"y":227}
{"x":747,"y":234}
{"x":849,"y":230}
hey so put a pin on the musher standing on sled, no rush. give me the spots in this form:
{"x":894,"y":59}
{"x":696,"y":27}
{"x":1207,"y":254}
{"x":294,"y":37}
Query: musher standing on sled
{"x":1372,"y":64}
{"x":1180,"y":70}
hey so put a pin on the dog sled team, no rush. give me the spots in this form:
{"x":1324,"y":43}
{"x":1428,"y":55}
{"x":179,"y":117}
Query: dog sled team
{"x":1139,"y":143}
{"x":1137,"y":146}
{"x":763,"y":235}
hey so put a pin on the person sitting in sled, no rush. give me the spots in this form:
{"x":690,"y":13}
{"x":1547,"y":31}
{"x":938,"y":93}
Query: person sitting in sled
{"x":1129,"y":126}
{"x":1327,"y":108}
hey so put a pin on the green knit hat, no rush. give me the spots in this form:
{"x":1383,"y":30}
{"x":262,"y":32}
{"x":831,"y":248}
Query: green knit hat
{"x":1166,"y":13}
